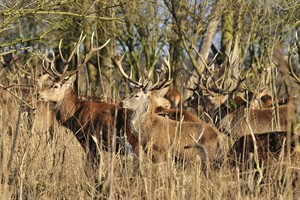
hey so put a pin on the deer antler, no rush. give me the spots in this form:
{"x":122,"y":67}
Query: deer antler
{"x":76,"y":50}
{"x":87,"y":56}
{"x":118,"y":61}
{"x":204,"y":84}
{"x":168,"y":80}
{"x":145,"y":85}
{"x":50,"y":62}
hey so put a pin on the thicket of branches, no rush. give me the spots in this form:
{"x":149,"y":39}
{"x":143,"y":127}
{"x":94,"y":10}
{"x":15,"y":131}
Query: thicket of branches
{"x":193,"y":32}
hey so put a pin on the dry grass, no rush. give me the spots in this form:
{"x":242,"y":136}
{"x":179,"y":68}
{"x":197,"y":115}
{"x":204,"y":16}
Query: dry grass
{"x":34,"y":165}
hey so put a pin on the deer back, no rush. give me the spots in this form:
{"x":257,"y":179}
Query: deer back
{"x":238,"y":123}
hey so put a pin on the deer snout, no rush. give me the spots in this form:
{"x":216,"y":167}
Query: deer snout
{"x":121,"y":104}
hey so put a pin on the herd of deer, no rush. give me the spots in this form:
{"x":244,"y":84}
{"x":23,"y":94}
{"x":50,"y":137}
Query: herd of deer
{"x":145,"y":122}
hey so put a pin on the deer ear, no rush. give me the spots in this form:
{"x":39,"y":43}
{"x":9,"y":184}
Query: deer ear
{"x":161,"y":92}
{"x":70,"y":79}
{"x":218,"y":101}
{"x":147,"y":87}
{"x":134,"y":87}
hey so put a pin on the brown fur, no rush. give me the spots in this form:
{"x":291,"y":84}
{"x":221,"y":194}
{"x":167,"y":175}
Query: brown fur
{"x":177,"y":114}
{"x":87,"y":119}
{"x":174,"y":97}
{"x":266,"y":101}
{"x":161,"y":133}
{"x":260,"y":120}
{"x":269,"y":147}
{"x":90,"y":118}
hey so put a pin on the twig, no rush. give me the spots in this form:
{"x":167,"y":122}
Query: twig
{"x":259,"y":169}
{"x":6,"y":88}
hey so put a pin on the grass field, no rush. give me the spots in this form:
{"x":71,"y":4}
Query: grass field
{"x":36,"y":163}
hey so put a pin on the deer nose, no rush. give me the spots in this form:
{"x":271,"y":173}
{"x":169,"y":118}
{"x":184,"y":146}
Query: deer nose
{"x":121,"y":104}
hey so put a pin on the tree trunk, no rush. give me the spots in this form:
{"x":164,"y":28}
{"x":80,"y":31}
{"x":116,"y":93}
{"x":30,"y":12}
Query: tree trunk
{"x":211,"y":29}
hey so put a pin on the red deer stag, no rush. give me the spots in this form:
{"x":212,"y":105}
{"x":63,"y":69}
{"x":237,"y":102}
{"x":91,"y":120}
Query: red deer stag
{"x":91,"y":122}
{"x":163,"y":105}
{"x":268,"y":145}
{"x":158,"y":134}
{"x":212,"y":102}
{"x":270,"y":119}
{"x":234,"y":116}
{"x":271,"y":124}
{"x":241,"y":120}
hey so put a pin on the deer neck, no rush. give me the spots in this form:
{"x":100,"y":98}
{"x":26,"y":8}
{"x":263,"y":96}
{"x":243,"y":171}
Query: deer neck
{"x":67,"y":107}
{"x":141,"y":117}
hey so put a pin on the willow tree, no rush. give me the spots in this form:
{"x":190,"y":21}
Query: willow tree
{"x":143,"y":35}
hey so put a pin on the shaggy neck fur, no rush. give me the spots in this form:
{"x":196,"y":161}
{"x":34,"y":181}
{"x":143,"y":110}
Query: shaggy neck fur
{"x":140,"y":117}
{"x":67,"y":106}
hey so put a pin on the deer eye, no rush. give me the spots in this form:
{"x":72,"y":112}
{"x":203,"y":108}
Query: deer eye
{"x":136,"y":96}
{"x":54,"y":86}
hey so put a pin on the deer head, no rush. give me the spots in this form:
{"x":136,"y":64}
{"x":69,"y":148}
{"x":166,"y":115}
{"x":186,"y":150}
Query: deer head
{"x":144,"y":97}
{"x":142,"y":91}
{"x":62,"y":82}
{"x":57,"y":90}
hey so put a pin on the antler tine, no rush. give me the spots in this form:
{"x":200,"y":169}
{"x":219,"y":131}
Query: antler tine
{"x":238,"y":81}
{"x":168,"y":80}
{"x":92,"y":50}
{"x":145,"y":83}
{"x":168,"y":64}
{"x":157,"y":82}
{"x":118,"y":62}
{"x":47,"y":70}
{"x":60,"y":54}
{"x":45,"y":58}
{"x":204,"y":85}
{"x":75,"y":50}
{"x":52,"y":65}
{"x":87,"y":57}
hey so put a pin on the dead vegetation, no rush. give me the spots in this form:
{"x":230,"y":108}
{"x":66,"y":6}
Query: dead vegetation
{"x":36,"y":166}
